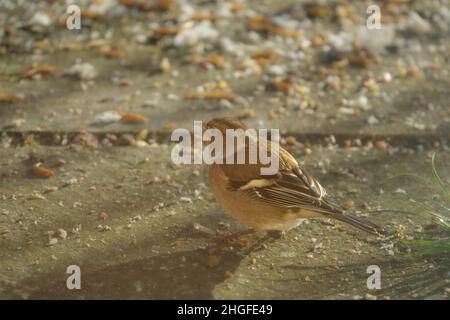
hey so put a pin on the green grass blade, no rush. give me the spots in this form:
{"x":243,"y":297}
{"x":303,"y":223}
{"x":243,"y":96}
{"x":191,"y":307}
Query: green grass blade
{"x":409,"y":175}
{"x":436,"y":247}
{"x":428,"y":209}
{"x":418,"y":242}
{"x":437,"y":178}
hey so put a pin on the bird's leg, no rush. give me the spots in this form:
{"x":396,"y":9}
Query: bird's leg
{"x":235,"y":236}
{"x":270,"y":236}
{"x":276,"y":234}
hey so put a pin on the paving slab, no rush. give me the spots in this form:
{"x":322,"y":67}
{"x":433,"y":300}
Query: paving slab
{"x":128,"y":213}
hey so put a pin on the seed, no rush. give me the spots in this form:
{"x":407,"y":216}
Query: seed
{"x":125,"y":82}
{"x":211,"y":95}
{"x":228,"y":274}
{"x":291,"y":141}
{"x":133,"y":118}
{"x":203,"y":17}
{"x":42,"y":172}
{"x":10,"y":98}
{"x":213,"y":261}
{"x":165,"y":66}
{"x":142,"y":135}
{"x":111,"y":53}
{"x":283,"y":32}
{"x":347,"y":143}
{"x":215,"y":60}
{"x":222,"y":84}
{"x":61,"y":233}
{"x":167,"y":31}
{"x":103,"y":216}
{"x":380,"y":145}
{"x":38,"y":70}
{"x":349,"y":204}
{"x":267,"y":54}
{"x":246,"y":113}
{"x":282,"y":85}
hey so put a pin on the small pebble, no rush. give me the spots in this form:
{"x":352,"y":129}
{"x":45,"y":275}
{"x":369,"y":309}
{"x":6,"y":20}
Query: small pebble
{"x":213,"y":261}
{"x":61,"y":233}
{"x":103,"y":216}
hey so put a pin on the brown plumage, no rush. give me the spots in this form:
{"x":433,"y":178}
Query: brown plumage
{"x":273,"y":202}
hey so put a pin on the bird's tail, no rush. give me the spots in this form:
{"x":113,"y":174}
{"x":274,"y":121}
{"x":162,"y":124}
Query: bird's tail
{"x":361,"y":224}
{"x":332,"y":210}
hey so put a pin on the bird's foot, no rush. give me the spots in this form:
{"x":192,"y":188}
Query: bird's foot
{"x":276,"y":234}
{"x":234,"y":237}
{"x":269,"y":237}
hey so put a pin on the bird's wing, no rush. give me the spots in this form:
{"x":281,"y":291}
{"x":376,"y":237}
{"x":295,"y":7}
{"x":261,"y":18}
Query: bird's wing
{"x":295,"y":190}
{"x":243,"y":173}
{"x":291,"y":190}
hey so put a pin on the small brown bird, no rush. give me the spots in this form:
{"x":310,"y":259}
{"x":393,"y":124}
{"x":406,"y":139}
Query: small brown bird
{"x":273,"y":202}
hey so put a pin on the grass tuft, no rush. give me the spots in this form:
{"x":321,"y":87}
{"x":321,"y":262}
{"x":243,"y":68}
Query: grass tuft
{"x":438,"y":208}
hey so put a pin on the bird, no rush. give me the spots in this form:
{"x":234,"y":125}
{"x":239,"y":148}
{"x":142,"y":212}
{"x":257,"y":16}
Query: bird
{"x":278,"y":202}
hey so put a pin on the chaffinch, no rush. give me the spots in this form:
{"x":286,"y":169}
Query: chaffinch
{"x":273,"y":202}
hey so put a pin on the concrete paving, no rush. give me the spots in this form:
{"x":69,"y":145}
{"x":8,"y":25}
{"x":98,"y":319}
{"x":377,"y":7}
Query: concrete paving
{"x":128,"y":214}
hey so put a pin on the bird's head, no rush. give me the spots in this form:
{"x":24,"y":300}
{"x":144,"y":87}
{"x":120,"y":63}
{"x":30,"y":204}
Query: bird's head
{"x":224,"y":123}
